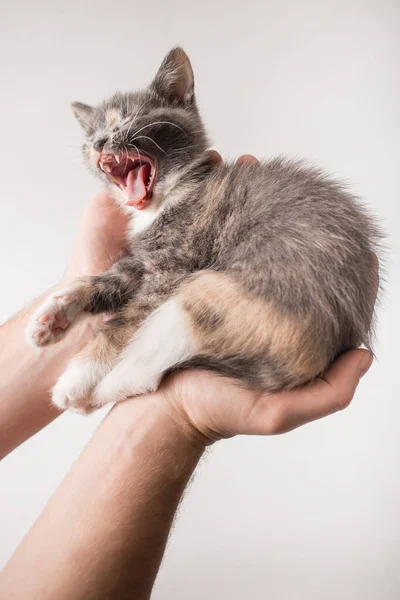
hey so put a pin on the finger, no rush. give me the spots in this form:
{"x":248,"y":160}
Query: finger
{"x":246,"y":159}
{"x":282,"y":412}
{"x":348,"y":369}
{"x":215,"y":157}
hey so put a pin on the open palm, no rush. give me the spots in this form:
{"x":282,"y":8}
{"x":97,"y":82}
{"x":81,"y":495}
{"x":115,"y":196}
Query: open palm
{"x":218,"y":407}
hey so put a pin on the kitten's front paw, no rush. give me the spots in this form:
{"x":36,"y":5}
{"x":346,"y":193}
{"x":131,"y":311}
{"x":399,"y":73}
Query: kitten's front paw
{"x":74,"y":388}
{"x":53,"y":318}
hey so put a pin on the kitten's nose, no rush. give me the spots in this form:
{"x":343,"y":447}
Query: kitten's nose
{"x":100,"y":143}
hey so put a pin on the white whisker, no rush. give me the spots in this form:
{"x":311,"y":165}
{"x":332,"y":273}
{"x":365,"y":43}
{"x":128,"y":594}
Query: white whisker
{"x":151,"y":140}
{"x":158,"y":123}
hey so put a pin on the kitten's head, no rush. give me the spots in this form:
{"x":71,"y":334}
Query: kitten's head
{"x":139,"y":142}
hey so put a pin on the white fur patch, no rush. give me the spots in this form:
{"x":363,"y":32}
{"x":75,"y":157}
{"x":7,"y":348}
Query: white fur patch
{"x":165,"y":195}
{"x":75,"y":386}
{"x":142,"y":219}
{"x":164,"y":340}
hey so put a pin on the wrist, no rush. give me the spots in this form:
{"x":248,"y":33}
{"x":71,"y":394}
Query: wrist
{"x":174,"y":398}
{"x":150,"y":417}
{"x":179,"y":420}
{"x":199,"y":403}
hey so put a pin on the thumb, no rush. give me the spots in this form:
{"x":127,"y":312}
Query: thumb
{"x":284,"y":411}
{"x":346,"y":372}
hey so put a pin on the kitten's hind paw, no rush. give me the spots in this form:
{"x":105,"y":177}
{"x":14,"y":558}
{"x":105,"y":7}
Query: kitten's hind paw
{"x":74,"y":388}
{"x":53,"y":318}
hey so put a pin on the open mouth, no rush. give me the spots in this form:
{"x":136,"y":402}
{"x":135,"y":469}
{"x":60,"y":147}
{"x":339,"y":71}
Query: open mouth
{"x":135,"y":175}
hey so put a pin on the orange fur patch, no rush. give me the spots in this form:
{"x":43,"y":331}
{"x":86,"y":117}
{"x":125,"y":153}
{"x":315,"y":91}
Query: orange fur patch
{"x":226,"y":320}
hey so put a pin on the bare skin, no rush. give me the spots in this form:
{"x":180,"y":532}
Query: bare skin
{"x":105,"y":529}
{"x":99,"y":241}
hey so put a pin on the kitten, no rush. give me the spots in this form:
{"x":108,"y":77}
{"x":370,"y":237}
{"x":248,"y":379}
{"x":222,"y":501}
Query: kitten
{"x":264,"y":272}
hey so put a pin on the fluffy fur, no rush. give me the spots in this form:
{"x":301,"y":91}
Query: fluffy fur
{"x":264,"y":272}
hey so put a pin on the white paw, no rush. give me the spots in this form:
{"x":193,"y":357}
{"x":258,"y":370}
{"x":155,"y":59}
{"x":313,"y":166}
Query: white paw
{"x":53,"y":318}
{"x":125,"y":382}
{"x":74,"y":388}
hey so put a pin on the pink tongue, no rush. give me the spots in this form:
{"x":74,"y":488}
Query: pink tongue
{"x":135,"y":184}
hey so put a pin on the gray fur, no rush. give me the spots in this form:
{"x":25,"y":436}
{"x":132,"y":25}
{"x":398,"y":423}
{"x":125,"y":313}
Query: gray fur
{"x":283,"y":230}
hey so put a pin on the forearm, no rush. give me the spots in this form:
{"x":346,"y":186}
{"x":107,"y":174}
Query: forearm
{"x":27,"y":376}
{"x":103,"y":534}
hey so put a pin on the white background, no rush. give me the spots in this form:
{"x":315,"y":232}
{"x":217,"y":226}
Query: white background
{"x":309,"y":515}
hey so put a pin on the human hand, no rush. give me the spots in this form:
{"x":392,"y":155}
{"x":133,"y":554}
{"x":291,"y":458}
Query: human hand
{"x":215,"y":407}
{"x":100,"y":240}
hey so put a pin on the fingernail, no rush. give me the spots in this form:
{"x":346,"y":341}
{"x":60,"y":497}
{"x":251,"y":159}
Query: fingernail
{"x":365,"y":363}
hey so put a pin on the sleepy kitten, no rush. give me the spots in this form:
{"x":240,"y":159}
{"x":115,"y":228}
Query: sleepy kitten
{"x":264,"y":272}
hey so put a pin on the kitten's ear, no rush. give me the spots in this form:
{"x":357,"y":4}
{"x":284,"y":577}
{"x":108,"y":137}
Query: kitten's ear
{"x":174,"y":80}
{"x":84,"y":114}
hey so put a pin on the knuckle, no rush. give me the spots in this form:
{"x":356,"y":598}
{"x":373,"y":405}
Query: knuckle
{"x":343,"y":399}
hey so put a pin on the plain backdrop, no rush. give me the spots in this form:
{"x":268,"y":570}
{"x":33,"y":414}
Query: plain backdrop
{"x":309,"y":515}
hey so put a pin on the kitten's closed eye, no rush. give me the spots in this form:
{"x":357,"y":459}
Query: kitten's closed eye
{"x":99,"y":143}
{"x":160,"y":125}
